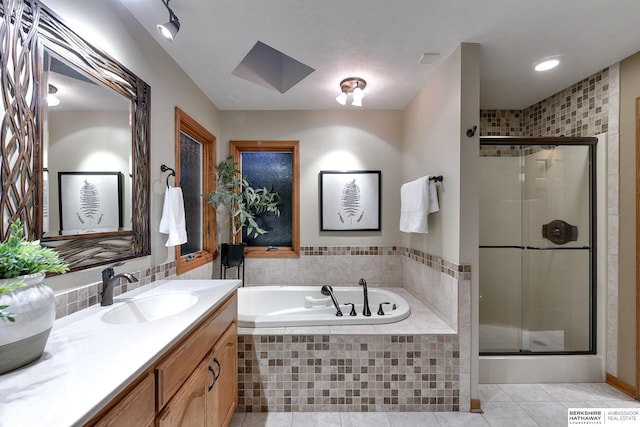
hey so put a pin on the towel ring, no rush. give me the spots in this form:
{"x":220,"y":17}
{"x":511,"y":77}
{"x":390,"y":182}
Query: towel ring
{"x":165,"y":168}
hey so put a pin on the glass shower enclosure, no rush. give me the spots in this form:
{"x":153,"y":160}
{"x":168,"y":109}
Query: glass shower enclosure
{"x":537,"y":245}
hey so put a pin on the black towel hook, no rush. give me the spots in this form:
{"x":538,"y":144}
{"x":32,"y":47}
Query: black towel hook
{"x":471,"y":132}
{"x":165,"y":168}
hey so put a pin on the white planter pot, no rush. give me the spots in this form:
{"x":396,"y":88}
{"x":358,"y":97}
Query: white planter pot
{"x":34,"y":309}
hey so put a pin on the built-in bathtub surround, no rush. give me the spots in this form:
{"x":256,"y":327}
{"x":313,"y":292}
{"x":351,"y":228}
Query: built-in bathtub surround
{"x":358,"y":373}
{"x":444,"y":288}
{"x":410,"y":365}
{"x":69,"y":302}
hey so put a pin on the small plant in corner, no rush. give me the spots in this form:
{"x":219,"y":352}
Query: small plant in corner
{"x":242,"y":201}
{"x":21,"y":257}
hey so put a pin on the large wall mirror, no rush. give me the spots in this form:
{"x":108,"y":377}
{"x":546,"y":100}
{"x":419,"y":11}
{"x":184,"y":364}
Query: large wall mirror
{"x":75,"y":148}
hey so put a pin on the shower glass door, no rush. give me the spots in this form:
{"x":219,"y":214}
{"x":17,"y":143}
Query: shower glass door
{"x":536,"y":247}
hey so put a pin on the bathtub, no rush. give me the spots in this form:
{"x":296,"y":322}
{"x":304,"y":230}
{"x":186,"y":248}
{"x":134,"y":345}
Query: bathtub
{"x":282,"y":306}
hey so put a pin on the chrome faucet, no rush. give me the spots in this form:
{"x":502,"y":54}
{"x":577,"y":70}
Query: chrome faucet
{"x":109,"y":280}
{"x":366,"y":311}
{"x":328,"y":291}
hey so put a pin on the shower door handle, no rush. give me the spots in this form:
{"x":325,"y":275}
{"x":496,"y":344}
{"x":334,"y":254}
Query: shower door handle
{"x":560,"y":232}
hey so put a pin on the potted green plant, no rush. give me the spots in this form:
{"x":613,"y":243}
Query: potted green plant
{"x":242,"y":202}
{"x":27,"y":305}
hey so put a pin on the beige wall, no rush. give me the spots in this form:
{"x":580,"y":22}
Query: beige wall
{"x":627,"y":334}
{"x":332,"y":140}
{"x":432,"y":147}
{"x":109,"y":26}
{"x":435,"y":143}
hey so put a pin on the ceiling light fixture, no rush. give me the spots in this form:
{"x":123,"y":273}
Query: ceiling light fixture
{"x":547,"y":64}
{"x":52,"y":100}
{"x":171,"y":28}
{"x":355,"y":86}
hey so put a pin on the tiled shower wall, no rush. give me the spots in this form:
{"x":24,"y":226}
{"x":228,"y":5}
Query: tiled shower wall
{"x":590,"y":107}
{"x":579,"y":110}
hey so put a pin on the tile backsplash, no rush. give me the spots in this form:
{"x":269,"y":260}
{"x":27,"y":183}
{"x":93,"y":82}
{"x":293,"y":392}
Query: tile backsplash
{"x":69,"y":302}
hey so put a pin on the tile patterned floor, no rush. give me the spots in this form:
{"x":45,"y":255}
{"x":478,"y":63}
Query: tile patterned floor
{"x":508,"y":405}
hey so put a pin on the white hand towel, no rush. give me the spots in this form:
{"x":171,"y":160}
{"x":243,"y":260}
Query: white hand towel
{"x":417,"y":199}
{"x":173,"y":222}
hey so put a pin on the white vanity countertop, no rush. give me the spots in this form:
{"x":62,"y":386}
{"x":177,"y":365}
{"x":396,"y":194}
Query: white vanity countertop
{"x":87,"y":362}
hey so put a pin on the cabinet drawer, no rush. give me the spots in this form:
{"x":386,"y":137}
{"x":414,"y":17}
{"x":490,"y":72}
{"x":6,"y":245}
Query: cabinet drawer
{"x":173,"y":370}
{"x":136,"y":408}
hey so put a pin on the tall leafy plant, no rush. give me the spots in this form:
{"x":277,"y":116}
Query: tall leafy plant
{"x":243,"y":202}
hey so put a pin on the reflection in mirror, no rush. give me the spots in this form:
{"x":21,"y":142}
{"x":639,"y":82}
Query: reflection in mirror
{"x":87,"y":174}
{"x":27,"y":31}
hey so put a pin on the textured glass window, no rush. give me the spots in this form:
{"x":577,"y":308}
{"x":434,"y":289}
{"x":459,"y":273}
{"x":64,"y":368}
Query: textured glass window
{"x":274,"y":171}
{"x":191,"y":183}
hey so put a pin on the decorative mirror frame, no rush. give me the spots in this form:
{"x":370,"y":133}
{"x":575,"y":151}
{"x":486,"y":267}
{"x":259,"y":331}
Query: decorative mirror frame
{"x":26,"y":29}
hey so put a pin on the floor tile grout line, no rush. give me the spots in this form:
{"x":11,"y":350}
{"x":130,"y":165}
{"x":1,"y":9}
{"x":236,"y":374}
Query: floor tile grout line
{"x":595,"y":396}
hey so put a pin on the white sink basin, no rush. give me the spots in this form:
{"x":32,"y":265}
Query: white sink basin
{"x":150,"y":308}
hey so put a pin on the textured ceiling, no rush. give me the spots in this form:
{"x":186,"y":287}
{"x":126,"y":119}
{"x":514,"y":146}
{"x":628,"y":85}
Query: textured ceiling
{"x":383,"y":42}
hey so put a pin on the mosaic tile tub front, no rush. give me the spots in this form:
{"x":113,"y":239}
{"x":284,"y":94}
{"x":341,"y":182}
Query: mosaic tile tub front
{"x":364,"y":373}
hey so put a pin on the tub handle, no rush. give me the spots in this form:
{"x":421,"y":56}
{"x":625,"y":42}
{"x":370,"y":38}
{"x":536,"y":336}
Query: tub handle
{"x":353,"y":308}
{"x":380,"y":311}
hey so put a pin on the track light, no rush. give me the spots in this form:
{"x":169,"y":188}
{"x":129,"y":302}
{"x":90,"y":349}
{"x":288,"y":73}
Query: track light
{"x":355,"y":86}
{"x":170,"y":29}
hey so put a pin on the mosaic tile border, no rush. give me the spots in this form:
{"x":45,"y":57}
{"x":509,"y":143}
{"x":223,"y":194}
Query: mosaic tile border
{"x":457,"y":271}
{"x":454,"y":270}
{"x":349,"y":250}
{"x":392,"y":373}
{"x":69,"y":302}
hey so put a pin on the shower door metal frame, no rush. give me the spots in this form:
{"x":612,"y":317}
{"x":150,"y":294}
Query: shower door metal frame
{"x":590,"y":142}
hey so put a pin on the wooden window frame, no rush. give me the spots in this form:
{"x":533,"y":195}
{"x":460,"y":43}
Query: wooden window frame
{"x":185,"y":123}
{"x":236,"y":148}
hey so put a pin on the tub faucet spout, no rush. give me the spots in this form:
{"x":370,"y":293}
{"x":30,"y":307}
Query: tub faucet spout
{"x":366,"y":311}
{"x":109,"y":280}
{"x":328,"y":291}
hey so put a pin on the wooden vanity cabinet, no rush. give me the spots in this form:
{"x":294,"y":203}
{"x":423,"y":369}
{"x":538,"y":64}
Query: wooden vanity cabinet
{"x":208,"y":397}
{"x":197,"y":381}
{"x":223,"y":394}
{"x":193,"y":384}
{"x":136,"y":408}
{"x":189,"y":405}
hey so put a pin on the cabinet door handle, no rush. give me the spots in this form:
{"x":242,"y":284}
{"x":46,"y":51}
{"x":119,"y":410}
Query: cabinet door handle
{"x":213,"y":374}
{"x":217,"y":362}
